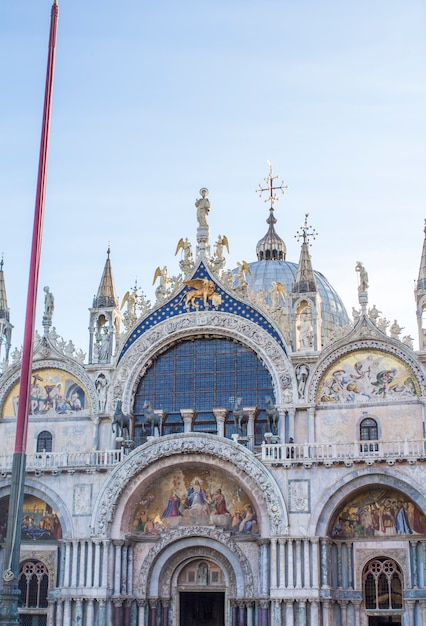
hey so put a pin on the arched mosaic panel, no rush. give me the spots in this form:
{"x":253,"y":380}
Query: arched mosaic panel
{"x":193,"y":496}
{"x":366,"y":376}
{"x":377,"y":512}
{"x":53,"y":392}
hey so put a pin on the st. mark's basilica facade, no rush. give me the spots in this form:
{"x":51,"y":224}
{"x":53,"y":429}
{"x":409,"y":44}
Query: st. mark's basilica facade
{"x":239,"y":453}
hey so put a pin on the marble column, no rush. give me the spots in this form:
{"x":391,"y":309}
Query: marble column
{"x":311,"y":424}
{"x":127,"y":611}
{"x":89,"y":571}
{"x":59,"y":613}
{"x":251,"y":412}
{"x":101,"y":612}
{"x":117,"y":567}
{"x":290,"y":565}
{"x":263,"y":612}
{"x":327,"y":616}
{"x":315,"y":613}
{"x":273,"y":561}
{"x":409,"y":613}
{"x":281,"y":557}
{"x":90,"y":612}
{"x":130,"y":570}
{"x":82,"y":569}
{"x":67,"y":612}
{"x":78,"y":610}
{"x":153,"y":603}
{"x":165,"y":602}
{"x":67,"y":567}
{"x":141,"y":612}
{"x":97,"y":564}
{"x":298,"y":564}
{"x":306,"y":564}
{"x":315,"y":561}
{"x":250,"y":614}
{"x":324,"y":563}
{"x":289,"y":613}
{"x":357,"y":611}
{"x":220,"y":416}
{"x":301,"y":610}
{"x":118,"y":613}
{"x":264,"y":566}
{"x":339,"y":565}
{"x":343,"y":611}
{"x":187,"y":416}
{"x":413,"y":561}
{"x":123,"y":582}
{"x":241,"y":613}
{"x":62,"y":545}
{"x":290,"y":416}
{"x":234,"y":609}
{"x":106,"y":564}
{"x":74,"y":569}
{"x":51,"y":611}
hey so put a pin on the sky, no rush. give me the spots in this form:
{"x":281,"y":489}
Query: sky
{"x":153,"y":101}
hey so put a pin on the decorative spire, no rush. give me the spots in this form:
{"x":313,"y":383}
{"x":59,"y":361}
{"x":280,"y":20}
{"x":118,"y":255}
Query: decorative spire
{"x":5,"y":325}
{"x":271,"y":247}
{"x":305,"y":280}
{"x":421,"y":281}
{"x":4,"y":310}
{"x":106,"y":293}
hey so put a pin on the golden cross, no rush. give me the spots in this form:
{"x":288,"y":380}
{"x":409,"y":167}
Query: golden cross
{"x":269,"y":180}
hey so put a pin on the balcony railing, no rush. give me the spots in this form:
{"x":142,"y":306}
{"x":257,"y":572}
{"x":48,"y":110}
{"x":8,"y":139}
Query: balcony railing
{"x":329,"y":454}
{"x":277,"y":454}
{"x":57,"y":461}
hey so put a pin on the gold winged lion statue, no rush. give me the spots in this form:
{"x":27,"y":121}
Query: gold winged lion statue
{"x":200,"y":288}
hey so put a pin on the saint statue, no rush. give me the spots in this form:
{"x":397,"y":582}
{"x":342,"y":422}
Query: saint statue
{"x":203,"y":207}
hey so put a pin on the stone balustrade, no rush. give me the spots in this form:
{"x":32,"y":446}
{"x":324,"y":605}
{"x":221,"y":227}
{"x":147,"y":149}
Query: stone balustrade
{"x":328,"y":454}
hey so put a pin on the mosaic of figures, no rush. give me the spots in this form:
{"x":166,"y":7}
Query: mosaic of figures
{"x":194,"y":496}
{"x":53,"y":392}
{"x":364,"y":376}
{"x":39,"y":521}
{"x":378,"y":512}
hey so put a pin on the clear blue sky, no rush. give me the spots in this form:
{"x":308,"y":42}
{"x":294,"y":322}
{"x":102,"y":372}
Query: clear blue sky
{"x":153,"y":101}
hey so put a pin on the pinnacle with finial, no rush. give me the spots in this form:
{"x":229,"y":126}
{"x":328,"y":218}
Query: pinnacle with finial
{"x":271,"y":188}
{"x":304,"y":233}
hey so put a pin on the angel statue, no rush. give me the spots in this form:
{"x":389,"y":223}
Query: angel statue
{"x":278,"y":292}
{"x":186,"y":263}
{"x":130,"y":316}
{"x":162,"y":290}
{"x":218,"y":260}
{"x":243,"y":269}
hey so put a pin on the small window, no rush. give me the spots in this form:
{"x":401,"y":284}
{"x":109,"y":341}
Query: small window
{"x":44,"y":441}
{"x":382,"y":582}
{"x":369,"y":432}
{"x":33,"y":583}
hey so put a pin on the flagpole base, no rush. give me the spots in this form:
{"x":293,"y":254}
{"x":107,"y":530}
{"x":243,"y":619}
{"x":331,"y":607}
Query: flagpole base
{"x":9,"y":597}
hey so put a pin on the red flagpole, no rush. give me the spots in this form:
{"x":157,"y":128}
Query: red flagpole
{"x":9,"y":592}
{"x":27,"y":351}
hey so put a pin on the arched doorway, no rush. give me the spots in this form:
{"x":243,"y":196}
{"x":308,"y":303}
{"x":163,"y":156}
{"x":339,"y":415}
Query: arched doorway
{"x":201,"y":589}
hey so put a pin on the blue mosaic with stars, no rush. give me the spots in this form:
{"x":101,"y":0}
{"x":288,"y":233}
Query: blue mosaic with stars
{"x":176,"y":306}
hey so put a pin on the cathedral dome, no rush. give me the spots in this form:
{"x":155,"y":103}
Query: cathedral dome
{"x":265,"y":273}
{"x":273,"y":273}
